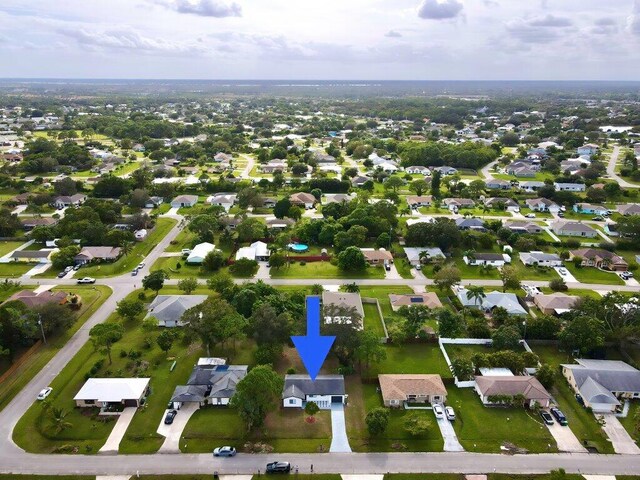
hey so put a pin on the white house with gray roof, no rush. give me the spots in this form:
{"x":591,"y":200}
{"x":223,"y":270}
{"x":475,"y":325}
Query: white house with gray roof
{"x":491,"y":300}
{"x":324,"y":391}
{"x":540,"y":259}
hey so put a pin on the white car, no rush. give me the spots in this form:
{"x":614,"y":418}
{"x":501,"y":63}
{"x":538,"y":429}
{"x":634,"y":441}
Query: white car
{"x":44,"y":393}
{"x":451,"y":414}
{"x":438,"y":411}
{"x":141,"y":265}
{"x":562,"y":271}
{"x":186,"y":251}
{"x":530,"y":215}
{"x":86,"y":280}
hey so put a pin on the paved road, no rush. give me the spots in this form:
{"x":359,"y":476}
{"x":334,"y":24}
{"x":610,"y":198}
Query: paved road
{"x":486,"y":171}
{"x":611,"y":170}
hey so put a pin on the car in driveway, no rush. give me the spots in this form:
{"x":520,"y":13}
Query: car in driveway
{"x":62,"y":274}
{"x":562,"y":271}
{"x":224,"y":452}
{"x":438,"y":411}
{"x":85,"y":280}
{"x":530,"y":215}
{"x":68,"y":269}
{"x":170,"y":416}
{"x":44,"y":393}
{"x":450,"y":413}
{"x":546,"y":417}
{"x":278,"y":467}
{"x":559,"y":416}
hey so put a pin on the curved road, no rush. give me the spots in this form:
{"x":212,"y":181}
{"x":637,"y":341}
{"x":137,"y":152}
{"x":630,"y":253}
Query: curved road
{"x":611,"y":170}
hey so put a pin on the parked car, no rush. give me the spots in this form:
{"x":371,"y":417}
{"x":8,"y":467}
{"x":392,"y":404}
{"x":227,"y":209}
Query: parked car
{"x":561,"y":214}
{"x":579,"y":399}
{"x":86,"y":280}
{"x":68,"y":269}
{"x":134,"y":272}
{"x":387,"y":267}
{"x":418,"y":267}
{"x":62,"y":274}
{"x":77,"y":267}
{"x":546,"y":417}
{"x":530,"y":215}
{"x":598,"y":219}
{"x":141,"y":265}
{"x":224,"y":452}
{"x":185,"y":251}
{"x":169,"y":417}
{"x":438,"y":411}
{"x":562,"y":271}
{"x":559,"y":416}
{"x":278,"y":467}
{"x":44,"y":393}
{"x":450,"y":413}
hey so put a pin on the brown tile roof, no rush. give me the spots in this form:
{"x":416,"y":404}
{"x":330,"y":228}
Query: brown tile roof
{"x":429,"y":300}
{"x":32,"y":299}
{"x":378,"y":255}
{"x":302,"y":197}
{"x":530,"y":387}
{"x":397,"y":386}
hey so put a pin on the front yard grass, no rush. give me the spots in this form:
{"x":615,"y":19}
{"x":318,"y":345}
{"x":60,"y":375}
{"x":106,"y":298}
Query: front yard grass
{"x":631,"y":420}
{"x":485,"y":429}
{"x":593,"y":275}
{"x":15,"y":269}
{"x":534,"y":273}
{"x":185,"y":239}
{"x":8,"y":246}
{"x":403,"y":267}
{"x":139,"y":251}
{"x":324,"y":270}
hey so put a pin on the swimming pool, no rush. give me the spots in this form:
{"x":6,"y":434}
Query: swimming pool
{"x":298,"y":247}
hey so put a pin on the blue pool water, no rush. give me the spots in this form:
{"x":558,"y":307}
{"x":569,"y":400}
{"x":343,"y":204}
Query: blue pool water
{"x":298,"y":247}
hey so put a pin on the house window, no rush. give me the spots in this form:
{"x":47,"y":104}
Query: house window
{"x":89,"y":402}
{"x":292,"y":401}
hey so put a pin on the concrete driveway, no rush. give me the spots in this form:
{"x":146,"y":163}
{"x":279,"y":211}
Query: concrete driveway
{"x":339,"y":439}
{"x":120,"y":428}
{"x":392,"y":274}
{"x":451,"y":443}
{"x":567,"y":277}
{"x":173,"y":432}
{"x":565,"y":438}
{"x":620,"y":438}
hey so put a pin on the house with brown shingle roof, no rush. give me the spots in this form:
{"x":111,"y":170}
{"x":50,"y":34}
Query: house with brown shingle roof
{"x":377,"y":257}
{"x":32,"y":299}
{"x":629,"y":209}
{"x":411,"y":388}
{"x":555,"y":304}
{"x":427,"y":300}
{"x":303,"y":199}
{"x":90,"y":254}
{"x":599,"y":258}
{"x":491,"y":389}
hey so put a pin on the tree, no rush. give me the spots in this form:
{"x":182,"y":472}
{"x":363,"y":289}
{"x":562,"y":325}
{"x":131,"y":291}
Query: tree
{"x":447,"y":277}
{"x":450,"y":324}
{"x":558,"y":285}
{"x":311,"y":408}
{"x":393,"y":183}
{"x":214,"y":322}
{"x":213,"y":261}
{"x":58,"y":420}
{"x":436,"y":179}
{"x":155,"y":280}
{"x":250,"y":229}
{"x":295,"y":212}
{"x":257,"y":394}
{"x":188,"y":285}
{"x":67,"y":186}
{"x":204,"y":226}
{"x":462,"y":368}
{"x":583,"y":334}
{"x":417,"y":424}
{"x":277,"y":260}
{"x":281,"y":208}
{"x":506,"y":337}
{"x":377,"y":420}
{"x":352,"y":288}
{"x":104,"y":335}
{"x":546,"y":376}
{"x":139,"y":198}
{"x":510,"y":278}
{"x":476,"y":294}
{"x":477,"y":328}
{"x":419,"y":186}
{"x":352,"y":260}
{"x":65,"y":256}
{"x":543,"y":327}
{"x":130,"y":309}
{"x":165,"y":340}
{"x":244,"y":267}
{"x":370,"y":350}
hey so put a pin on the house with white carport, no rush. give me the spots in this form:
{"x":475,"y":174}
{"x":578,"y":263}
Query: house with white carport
{"x":199,"y":252}
{"x":105,"y":392}
{"x":257,"y":251}
{"x":324,"y":391}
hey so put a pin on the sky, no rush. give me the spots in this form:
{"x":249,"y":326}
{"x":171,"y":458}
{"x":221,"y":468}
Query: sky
{"x":323,"y":40}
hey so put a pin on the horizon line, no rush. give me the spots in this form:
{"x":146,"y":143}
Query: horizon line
{"x":314,"y":80}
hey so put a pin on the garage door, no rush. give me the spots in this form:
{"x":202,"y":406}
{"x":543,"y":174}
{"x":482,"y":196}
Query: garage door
{"x":130,"y":403}
{"x":336,"y":399}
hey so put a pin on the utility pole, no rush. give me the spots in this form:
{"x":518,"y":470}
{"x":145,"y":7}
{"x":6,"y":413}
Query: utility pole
{"x":44,"y":338}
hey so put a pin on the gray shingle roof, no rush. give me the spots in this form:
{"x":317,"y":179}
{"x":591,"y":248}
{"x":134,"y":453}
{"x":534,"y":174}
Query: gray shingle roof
{"x":299,"y":386}
{"x":612,"y":375}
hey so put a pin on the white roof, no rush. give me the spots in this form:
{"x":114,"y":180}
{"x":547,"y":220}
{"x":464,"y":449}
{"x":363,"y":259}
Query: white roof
{"x":211,"y":361}
{"x":496,"y":372}
{"x":200,"y":251}
{"x":112,"y":389}
{"x":256,"y":249}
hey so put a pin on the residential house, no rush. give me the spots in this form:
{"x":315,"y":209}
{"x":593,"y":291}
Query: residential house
{"x":274,"y":166}
{"x":32,"y":256}
{"x":599,"y":258}
{"x":324,"y":158}
{"x":588,"y":149}
{"x":359,"y":181}
{"x":224,"y":200}
{"x":257,"y":251}
{"x":531,"y":186}
{"x":418,"y":170}
{"x":105,"y":392}
{"x":337,"y":198}
{"x":399,"y":389}
{"x":377,"y":257}
{"x":268,"y":202}
{"x":279,"y":223}
{"x":34,"y":300}
{"x":570,"y":187}
{"x":184,"y":201}
{"x":491,"y":300}
{"x":168,"y":309}
{"x":69,"y":200}
{"x":540,"y":259}
{"x":488,"y":259}
{"x":445,"y":171}
{"x":629,"y":209}
{"x":303,"y":199}
{"x":413,"y":254}
{"x":493,"y":389}
{"x":199,"y":252}
{"x":388,"y":166}
{"x":602,"y":384}
{"x":415,"y":201}
{"x":571,"y":228}
{"x":332,"y":301}
{"x":470,"y":224}
{"x":210,"y":384}
{"x":542,"y":205}
{"x":154,"y":202}
{"x":589,"y":209}
{"x":555,"y":303}
{"x":457,"y":203}
{"x":427,"y":300}
{"x":502,"y":203}
{"x":522,"y":226}
{"x":100,"y":254}
{"x":324,"y":391}
{"x":497,"y":184}
{"x":222,"y":157}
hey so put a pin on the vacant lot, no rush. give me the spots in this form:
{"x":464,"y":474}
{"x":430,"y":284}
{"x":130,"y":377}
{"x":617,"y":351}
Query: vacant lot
{"x":323,"y":270}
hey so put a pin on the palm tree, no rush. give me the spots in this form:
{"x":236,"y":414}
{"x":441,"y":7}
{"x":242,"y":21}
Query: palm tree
{"x":58,"y":420}
{"x":126,"y":248}
{"x":423,"y":257}
{"x":351,"y":288}
{"x":470,"y":254}
{"x":476,"y":294}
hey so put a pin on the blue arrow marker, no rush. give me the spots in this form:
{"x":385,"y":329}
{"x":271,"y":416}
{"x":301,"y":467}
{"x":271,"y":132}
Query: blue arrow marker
{"x":313,"y":348}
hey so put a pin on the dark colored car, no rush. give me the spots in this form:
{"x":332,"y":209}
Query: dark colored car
{"x":171,"y":414}
{"x":559,"y":416}
{"x":580,"y":399}
{"x":62,"y":274}
{"x":546,"y":417}
{"x":278,"y":467}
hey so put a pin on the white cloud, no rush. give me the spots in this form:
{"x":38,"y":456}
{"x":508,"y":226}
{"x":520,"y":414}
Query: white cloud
{"x":205,"y":8}
{"x":440,"y":9}
{"x":550,"y":21}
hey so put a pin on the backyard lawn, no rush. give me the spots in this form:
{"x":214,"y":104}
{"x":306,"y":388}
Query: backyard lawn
{"x":323,"y":270}
{"x":138,"y":253}
{"x":483,"y":429}
{"x":413,"y":358}
{"x":372,"y":320}
{"x":593,"y":275}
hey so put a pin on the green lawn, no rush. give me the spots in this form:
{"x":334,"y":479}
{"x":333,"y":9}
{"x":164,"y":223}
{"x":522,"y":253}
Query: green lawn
{"x":413,"y":358}
{"x":593,"y":275}
{"x":631,"y":421}
{"x":470,"y":272}
{"x":323,"y":270}
{"x":15,"y":269}
{"x":8,"y":246}
{"x":403,"y":267}
{"x":185,"y":239}
{"x":485,"y":429}
{"x":534,"y":273}
{"x":92,"y":298}
{"x":140,"y":250}
{"x":372,"y":320}
{"x":381,"y":292}
{"x":582,"y":422}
